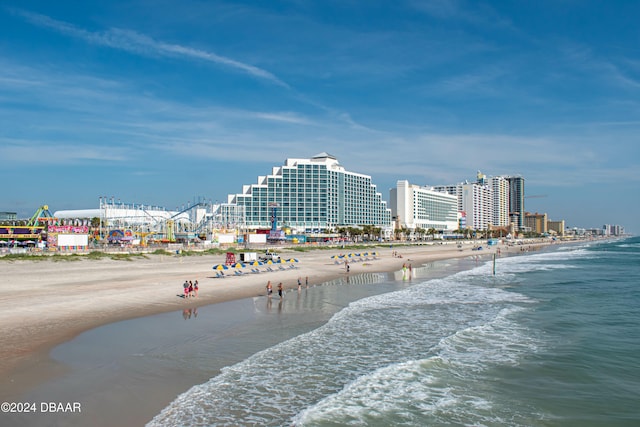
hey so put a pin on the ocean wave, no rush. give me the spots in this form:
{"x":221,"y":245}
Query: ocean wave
{"x":369,"y":334}
{"x":446,"y":388}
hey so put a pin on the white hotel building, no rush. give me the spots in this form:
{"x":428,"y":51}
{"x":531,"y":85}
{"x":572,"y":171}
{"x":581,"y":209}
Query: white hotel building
{"x":488,"y":201}
{"x":422,"y":207}
{"x":500,"y":189}
{"x":312,"y":194}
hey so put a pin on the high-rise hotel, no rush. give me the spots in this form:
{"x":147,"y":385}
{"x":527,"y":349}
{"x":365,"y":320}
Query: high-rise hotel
{"x":495,"y":201}
{"x":416,"y":206}
{"x":312,"y":194}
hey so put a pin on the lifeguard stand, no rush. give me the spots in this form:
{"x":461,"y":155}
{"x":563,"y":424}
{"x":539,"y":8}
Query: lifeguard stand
{"x":231,"y":258}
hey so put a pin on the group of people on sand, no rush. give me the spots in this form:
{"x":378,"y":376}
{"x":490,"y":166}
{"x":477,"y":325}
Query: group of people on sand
{"x":190,"y":289}
{"x":281,"y":288}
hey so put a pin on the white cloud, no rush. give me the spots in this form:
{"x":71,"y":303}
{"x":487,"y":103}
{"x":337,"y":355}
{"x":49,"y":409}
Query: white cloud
{"x":141,"y":44}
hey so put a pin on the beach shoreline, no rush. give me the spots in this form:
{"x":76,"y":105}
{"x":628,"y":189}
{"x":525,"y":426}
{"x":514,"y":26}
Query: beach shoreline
{"x":45,"y":303}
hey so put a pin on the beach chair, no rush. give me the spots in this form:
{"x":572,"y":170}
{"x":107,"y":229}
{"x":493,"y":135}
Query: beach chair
{"x":219,"y":275}
{"x":238,"y":273}
{"x":281,"y":268}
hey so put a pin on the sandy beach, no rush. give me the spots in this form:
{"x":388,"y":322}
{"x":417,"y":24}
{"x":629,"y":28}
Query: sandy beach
{"x":44,"y":303}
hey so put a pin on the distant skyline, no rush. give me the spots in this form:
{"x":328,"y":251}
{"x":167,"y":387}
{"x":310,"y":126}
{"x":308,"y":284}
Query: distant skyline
{"x":163,"y":102}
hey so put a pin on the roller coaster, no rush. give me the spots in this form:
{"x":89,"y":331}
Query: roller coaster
{"x":139,"y":224}
{"x":129,"y":223}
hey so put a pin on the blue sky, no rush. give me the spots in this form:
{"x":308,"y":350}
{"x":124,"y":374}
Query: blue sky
{"x":161,"y":102}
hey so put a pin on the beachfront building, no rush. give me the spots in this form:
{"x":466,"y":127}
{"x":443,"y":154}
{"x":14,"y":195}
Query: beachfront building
{"x":500,"y":190}
{"x":454,"y":190}
{"x":8,"y":216}
{"x":516,"y":201}
{"x":556,"y":227}
{"x":490,"y":202}
{"x":536,"y":222}
{"x":475,"y":201}
{"x":612,"y":230}
{"x":416,"y":207}
{"x":310,"y":195}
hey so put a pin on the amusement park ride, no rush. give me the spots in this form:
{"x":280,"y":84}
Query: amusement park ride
{"x":142,"y":226}
{"x":127,"y":224}
{"x":34,"y":230}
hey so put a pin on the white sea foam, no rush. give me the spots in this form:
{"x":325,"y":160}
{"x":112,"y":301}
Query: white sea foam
{"x":443,"y":387}
{"x":422,"y":346}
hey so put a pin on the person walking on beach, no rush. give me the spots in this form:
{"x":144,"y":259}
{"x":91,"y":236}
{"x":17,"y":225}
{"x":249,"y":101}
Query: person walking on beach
{"x":269,"y":289}
{"x":185,"y":285}
{"x":299,"y":284}
{"x":306,"y":281}
{"x":280,"y":290}
{"x":190,"y":288}
{"x":195,"y":289}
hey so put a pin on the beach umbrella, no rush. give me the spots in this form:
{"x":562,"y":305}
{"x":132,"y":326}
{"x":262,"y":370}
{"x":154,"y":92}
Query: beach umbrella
{"x":220,"y":267}
{"x":292,"y":260}
{"x":269,"y":262}
{"x":337,"y":256}
{"x":238,"y":265}
{"x":280,"y":261}
{"x":254,"y":263}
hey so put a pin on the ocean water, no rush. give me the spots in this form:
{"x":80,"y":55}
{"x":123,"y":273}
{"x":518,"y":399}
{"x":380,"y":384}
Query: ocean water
{"x":552,"y":339}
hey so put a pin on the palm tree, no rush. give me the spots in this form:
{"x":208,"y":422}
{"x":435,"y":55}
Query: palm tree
{"x":431,"y":232}
{"x":405,"y":232}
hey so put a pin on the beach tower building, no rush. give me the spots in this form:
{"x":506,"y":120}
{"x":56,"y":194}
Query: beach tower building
{"x":477,"y":202}
{"x":422,"y":207}
{"x":312,"y":195}
{"x":475,"y":199}
{"x":557,"y":227}
{"x":500,"y":187}
{"x":496,"y":201}
{"x":536,"y":222}
{"x":516,"y":201}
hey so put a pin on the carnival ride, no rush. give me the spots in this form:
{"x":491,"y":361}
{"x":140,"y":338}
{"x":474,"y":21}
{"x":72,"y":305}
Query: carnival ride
{"x":138,"y":224}
{"x":33,"y":231}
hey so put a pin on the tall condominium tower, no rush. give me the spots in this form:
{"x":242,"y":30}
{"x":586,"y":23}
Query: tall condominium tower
{"x":312,"y":194}
{"x":500,"y":187}
{"x":516,"y":200}
{"x":477,"y":203}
